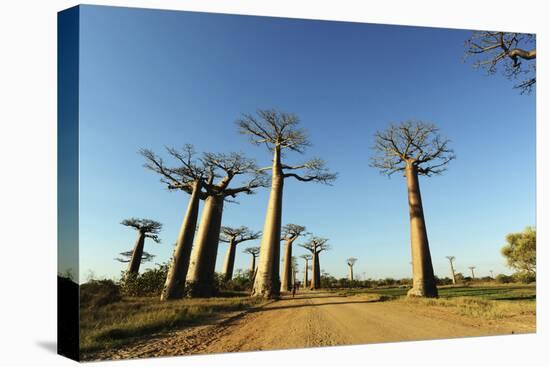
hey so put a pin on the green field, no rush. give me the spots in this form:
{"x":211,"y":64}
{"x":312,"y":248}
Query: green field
{"x":493,"y":292}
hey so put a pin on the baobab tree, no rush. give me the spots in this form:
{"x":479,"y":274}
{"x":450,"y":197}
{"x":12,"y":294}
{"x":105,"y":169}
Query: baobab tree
{"x":472,"y":268}
{"x":200,"y":276}
{"x":316,"y":245}
{"x":417,"y":149}
{"x":279,"y":132}
{"x":306,"y":258}
{"x":515,"y":52}
{"x":351,"y":262}
{"x":234,"y":236}
{"x":254,"y":251}
{"x":451,"y":259}
{"x":491,"y":272}
{"x":146,"y":228}
{"x":189,"y":176}
{"x":126,"y":256}
{"x":291,"y":232}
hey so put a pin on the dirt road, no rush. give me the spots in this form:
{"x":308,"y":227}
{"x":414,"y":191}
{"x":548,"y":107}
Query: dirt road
{"x":317,"y":319}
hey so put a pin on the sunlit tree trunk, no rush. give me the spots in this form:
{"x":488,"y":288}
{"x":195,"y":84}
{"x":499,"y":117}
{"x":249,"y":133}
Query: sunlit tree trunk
{"x":350,"y":273}
{"x":252,"y":265}
{"x":229,"y":262}
{"x":286,"y":279}
{"x":200,"y":276}
{"x":174,"y":286}
{"x":267,"y":282}
{"x":135,"y":261}
{"x":423,"y":275}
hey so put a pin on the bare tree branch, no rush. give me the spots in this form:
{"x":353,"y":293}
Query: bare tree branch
{"x":412,"y":142}
{"x":511,"y":50}
{"x":238,"y":235}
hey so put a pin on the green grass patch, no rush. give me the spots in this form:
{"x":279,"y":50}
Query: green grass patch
{"x":121,"y":322}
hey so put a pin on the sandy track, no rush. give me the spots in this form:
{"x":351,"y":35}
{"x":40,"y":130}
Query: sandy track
{"x":317,"y":319}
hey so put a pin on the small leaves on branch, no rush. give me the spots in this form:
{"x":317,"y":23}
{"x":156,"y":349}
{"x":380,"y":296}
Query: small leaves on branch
{"x":254,"y":251}
{"x":149,"y":227}
{"x":127,"y":256}
{"x":316,"y":245}
{"x":238,"y":235}
{"x":351,"y":261}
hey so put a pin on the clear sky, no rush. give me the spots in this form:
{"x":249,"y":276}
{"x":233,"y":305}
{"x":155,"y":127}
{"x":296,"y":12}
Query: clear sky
{"x":154,"y":78}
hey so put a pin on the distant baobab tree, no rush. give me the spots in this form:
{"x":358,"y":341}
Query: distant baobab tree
{"x":351,"y":262}
{"x":472,"y":268}
{"x":316,"y":245}
{"x":279,"y":132}
{"x":515,"y":52}
{"x":126,"y":256}
{"x":451,"y":259}
{"x":190,"y":175}
{"x":291,"y":232}
{"x":306,"y":258}
{"x":200,"y":276}
{"x":254,"y":251}
{"x":415,"y":148}
{"x":234,"y":236}
{"x":491,"y":272}
{"x":146,"y":228}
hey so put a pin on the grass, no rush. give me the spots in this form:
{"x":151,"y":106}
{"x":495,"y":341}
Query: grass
{"x":487,"y":301}
{"x":121,"y":322}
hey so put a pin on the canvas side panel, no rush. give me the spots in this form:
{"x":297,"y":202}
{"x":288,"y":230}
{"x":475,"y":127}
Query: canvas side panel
{"x":67,"y":183}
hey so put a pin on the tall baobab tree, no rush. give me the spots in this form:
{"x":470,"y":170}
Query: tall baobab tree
{"x":189,"y":176}
{"x":515,"y":52}
{"x":306,"y":258}
{"x":146,"y":228}
{"x":417,"y":149}
{"x":316,"y":245}
{"x":200,"y":276}
{"x":234,"y":236}
{"x":451,"y":259}
{"x":472,"y":268}
{"x":279,"y":132}
{"x":294,"y":270}
{"x":291,"y":232}
{"x":254,"y":251}
{"x":491,"y":272}
{"x":351,"y":262}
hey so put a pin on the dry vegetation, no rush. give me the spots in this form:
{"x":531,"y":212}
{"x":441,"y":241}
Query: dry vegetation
{"x":130,"y":318}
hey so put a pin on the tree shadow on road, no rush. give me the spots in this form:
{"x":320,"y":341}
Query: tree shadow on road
{"x":274,"y":308}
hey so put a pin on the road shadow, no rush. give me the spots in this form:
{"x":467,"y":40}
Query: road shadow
{"x":274,"y":308}
{"x":48,"y":345}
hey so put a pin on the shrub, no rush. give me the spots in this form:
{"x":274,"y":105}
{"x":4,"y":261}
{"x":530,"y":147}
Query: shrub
{"x":98,"y":293}
{"x":503,"y":279}
{"x":524,"y":277}
{"x":148,"y":283}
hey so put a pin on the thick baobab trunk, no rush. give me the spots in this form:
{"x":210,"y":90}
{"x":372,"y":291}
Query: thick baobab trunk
{"x":135,"y":261}
{"x":286,"y":279}
{"x":252,"y":266}
{"x":229,"y":262}
{"x":316,"y":272}
{"x":453,"y":272}
{"x":267,"y":282}
{"x":200,"y":276}
{"x":423,"y":274}
{"x":174,"y":286}
{"x":306,"y":274}
{"x":350,"y":273}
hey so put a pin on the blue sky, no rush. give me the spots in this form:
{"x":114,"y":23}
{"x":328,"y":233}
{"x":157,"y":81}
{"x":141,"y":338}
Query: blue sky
{"x":154,"y":78}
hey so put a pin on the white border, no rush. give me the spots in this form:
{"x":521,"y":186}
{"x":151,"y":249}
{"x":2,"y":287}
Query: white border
{"x":28,"y":184}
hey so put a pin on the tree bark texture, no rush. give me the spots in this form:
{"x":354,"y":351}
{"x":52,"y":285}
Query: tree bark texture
{"x":200,"y":276}
{"x":286,"y":279}
{"x":174,"y":286}
{"x":350,"y":273}
{"x":306,"y":273}
{"x":229,"y":262}
{"x":423,"y":275}
{"x":267,"y":282}
{"x":135,"y":261}
{"x":316,"y":270}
